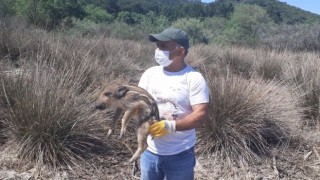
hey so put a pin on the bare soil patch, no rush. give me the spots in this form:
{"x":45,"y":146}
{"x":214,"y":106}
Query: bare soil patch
{"x":302,"y":162}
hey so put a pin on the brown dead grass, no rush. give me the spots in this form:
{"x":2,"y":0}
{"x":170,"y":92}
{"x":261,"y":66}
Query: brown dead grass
{"x":251,"y":101}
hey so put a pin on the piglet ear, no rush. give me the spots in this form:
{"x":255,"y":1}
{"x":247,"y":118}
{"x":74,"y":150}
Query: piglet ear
{"x":121,"y":92}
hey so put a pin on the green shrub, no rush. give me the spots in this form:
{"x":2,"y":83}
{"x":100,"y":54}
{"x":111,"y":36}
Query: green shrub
{"x":6,"y":8}
{"x":213,"y":27}
{"x":84,"y":27}
{"x":97,"y":14}
{"x":152,"y":23}
{"x":129,"y":17}
{"x":242,"y":28}
{"x":194,"y":28}
{"x":48,"y":14}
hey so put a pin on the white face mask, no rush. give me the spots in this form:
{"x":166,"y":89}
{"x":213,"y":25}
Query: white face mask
{"x":162,"y":57}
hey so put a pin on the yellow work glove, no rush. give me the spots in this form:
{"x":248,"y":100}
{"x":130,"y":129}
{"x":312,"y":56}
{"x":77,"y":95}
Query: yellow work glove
{"x":162,"y":128}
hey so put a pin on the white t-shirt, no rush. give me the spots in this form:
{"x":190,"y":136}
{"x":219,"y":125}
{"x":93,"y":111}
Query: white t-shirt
{"x":175,"y":93}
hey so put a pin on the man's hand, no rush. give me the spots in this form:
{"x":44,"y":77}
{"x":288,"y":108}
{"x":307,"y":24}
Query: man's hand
{"x":162,"y":128}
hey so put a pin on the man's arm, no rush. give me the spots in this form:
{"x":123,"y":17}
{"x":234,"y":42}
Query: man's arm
{"x":195,"y":119}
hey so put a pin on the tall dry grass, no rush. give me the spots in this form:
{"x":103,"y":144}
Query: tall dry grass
{"x":248,"y":117}
{"x":19,"y":40}
{"x":46,"y":109}
{"x":294,"y":38}
{"x":45,"y":104}
{"x":304,"y":73}
{"x":47,"y":120}
{"x":298,"y":70}
{"x":241,"y":61}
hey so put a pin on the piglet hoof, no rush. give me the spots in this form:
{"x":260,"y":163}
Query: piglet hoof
{"x":120,"y":137}
{"x":109,"y":133}
{"x":108,"y":136}
{"x":131,"y":160}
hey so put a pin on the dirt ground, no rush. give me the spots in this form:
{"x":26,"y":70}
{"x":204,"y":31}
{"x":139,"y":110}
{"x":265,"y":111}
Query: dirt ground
{"x":300,"y":162}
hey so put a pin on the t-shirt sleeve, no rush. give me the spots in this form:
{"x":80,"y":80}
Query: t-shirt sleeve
{"x":199,"y":92}
{"x":143,"y":82}
{"x":145,"y":77}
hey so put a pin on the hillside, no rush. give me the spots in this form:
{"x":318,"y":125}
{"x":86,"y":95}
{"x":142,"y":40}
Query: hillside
{"x":172,"y":9}
{"x":281,"y":12}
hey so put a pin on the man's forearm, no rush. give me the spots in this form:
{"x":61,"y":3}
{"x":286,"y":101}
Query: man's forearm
{"x":193,"y":120}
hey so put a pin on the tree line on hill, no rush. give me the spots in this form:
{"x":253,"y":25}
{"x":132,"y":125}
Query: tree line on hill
{"x":54,"y":11}
{"x":237,"y":22}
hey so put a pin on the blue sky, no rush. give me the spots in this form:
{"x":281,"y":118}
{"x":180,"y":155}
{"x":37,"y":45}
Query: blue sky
{"x":307,"y":5}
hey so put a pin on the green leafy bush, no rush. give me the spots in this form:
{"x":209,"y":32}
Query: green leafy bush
{"x":242,"y":28}
{"x":97,"y":14}
{"x":194,"y":28}
{"x":129,"y":17}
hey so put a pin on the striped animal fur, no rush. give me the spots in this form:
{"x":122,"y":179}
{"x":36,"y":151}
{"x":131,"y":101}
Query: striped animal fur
{"x":133,"y":101}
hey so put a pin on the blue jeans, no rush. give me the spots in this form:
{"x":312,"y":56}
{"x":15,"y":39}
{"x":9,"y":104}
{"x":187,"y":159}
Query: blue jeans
{"x":172,"y":167}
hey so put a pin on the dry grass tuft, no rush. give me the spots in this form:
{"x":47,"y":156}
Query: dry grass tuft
{"x":304,"y":74}
{"x":247,"y":118}
{"x":50,"y":123}
{"x":45,"y":105}
{"x":46,"y":109}
{"x":241,"y":61}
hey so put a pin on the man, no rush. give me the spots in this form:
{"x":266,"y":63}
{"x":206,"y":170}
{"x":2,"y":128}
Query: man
{"x":182,"y":97}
